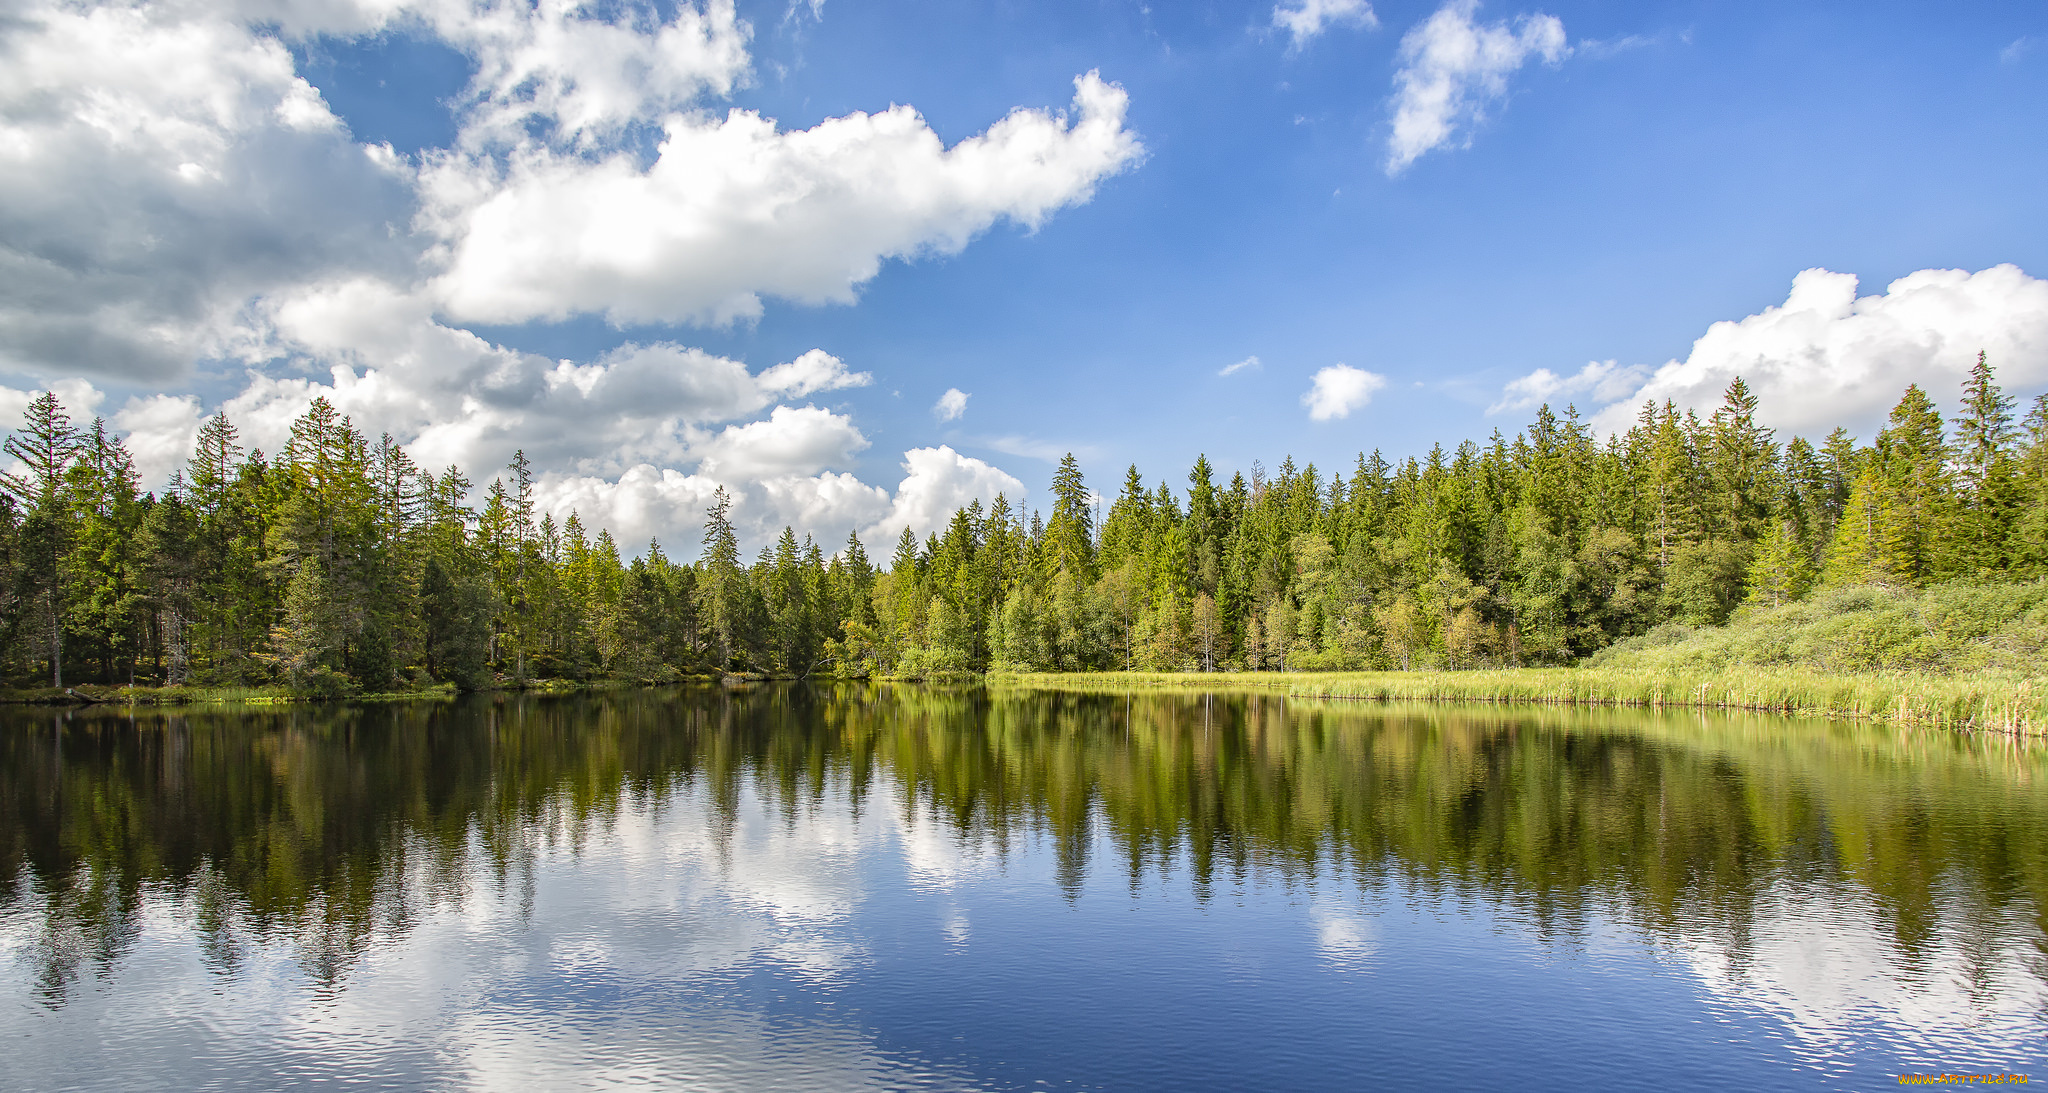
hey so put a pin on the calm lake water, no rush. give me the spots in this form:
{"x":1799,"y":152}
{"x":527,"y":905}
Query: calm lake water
{"x":901,"y":887}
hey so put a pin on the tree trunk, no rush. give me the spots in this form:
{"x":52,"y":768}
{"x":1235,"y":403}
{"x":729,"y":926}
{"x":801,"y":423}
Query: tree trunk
{"x":56,"y":644}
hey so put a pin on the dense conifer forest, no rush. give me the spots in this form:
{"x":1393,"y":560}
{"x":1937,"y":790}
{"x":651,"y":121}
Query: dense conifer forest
{"x":338,"y":566}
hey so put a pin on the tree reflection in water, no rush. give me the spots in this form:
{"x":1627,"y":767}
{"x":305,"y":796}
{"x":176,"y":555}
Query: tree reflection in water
{"x":326,"y":829}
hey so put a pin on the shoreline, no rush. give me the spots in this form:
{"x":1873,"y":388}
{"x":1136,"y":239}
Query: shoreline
{"x":98,"y":694}
{"x":2001,"y":702}
{"x":2008,"y":703}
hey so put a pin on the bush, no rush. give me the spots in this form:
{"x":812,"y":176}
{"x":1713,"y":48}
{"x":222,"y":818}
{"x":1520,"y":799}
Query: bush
{"x":924,"y":661}
{"x":1331,"y":660}
{"x":322,"y":682}
{"x":1945,"y":629}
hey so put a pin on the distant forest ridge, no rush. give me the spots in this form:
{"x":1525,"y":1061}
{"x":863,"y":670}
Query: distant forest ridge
{"x":339,"y":566}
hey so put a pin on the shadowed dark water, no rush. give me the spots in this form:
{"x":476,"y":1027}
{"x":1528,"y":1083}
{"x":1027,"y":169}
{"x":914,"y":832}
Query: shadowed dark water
{"x":901,"y":887}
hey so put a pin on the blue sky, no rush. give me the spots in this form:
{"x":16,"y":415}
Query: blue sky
{"x":1603,"y":183}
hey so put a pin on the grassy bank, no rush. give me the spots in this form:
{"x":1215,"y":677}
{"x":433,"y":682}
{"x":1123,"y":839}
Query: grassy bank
{"x":1946,"y":630}
{"x":1994,"y":701}
{"x":1966,"y":656}
{"x":91,"y":694}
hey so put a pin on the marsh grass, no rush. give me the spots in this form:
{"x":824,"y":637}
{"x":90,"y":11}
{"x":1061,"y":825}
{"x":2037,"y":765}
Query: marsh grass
{"x":1961,"y":655}
{"x":2010,"y":702}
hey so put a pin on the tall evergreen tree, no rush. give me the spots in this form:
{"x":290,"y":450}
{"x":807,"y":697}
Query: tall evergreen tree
{"x":722,"y":589}
{"x":1071,"y":532}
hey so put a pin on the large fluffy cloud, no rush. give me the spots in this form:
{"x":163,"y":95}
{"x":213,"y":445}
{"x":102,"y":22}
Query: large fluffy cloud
{"x":1453,"y":68}
{"x":798,"y":441}
{"x":162,"y":167}
{"x":733,"y":209}
{"x":937,"y":481}
{"x":159,"y":431}
{"x":637,"y":404}
{"x":179,"y":197}
{"x":1826,"y":357}
{"x":650,"y":502}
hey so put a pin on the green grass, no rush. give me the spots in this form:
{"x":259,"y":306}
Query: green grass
{"x":271,"y":695}
{"x":196,"y":696}
{"x":1950,"y":630}
{"x":1966,"y":656}
{"x":1995,"y":701}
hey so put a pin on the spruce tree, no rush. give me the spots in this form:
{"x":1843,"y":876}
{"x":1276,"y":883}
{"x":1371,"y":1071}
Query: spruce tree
{"x":1913,"y":456}
{"x":1781,"y":570}
{"x":720,"y":592}
{"x":1071,"y":532}
{"x":1988,"y":490}
{"x":1869,"y":544}
{"x":47,"y":445}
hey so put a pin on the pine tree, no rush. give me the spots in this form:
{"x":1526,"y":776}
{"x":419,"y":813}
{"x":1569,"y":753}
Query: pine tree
{"x":167,"y":545}
{"x":46,"y":445}
{"x":1913,"y":457}
{"x":1745,"y":463}
{"x":211,"y":470}
{"x":1987,"y":481}
{"x":1984,"y":427}
{"x":1781,"y":571}
{"x":2027,"y":543}
{"x":102,"y":571}
{"x":1869,"y":544}
{"x":1071,"y":532}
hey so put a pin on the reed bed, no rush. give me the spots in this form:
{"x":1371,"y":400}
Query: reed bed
{"x":2006,"y":702}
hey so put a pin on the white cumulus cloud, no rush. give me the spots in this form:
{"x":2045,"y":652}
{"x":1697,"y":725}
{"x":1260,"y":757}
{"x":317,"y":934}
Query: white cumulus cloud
{"x":1601,"y":382}
{"x":178,"y":195}
{"x":648,"y":502}
{"x":814,"y":371}
{"x":1340,"y":389}
{"x":159,"y":432}
{"x":951,"y":405}
{"x":582,"y":71}
{"x":162,"y":165}
{"x":1452,"y":68}
{"x":1827,"y":357}
{"x":937,"y":481}
{"x":735,"y":209}
{"x":453,"y":397}
{"x":791,"y":441}
{"x":1303,"y":20}
{"x":654,"y":502}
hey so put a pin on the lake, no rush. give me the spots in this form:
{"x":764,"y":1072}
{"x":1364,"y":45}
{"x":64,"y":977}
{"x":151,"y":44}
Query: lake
{"x":900,"y":887}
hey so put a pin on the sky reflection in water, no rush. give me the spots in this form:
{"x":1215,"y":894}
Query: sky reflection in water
{"x":862,"y":887}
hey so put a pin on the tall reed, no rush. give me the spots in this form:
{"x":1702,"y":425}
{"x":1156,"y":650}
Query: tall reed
{"x":2008,"y":702}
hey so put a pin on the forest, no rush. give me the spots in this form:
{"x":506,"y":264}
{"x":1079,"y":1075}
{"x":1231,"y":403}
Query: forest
{"x":338,"y":566}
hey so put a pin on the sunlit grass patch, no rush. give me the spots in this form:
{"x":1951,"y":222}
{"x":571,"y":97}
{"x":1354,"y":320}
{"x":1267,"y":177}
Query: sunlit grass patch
{"x":2002,"y":701}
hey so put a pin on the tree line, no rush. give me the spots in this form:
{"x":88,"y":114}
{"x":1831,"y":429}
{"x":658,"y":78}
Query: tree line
{"x":338,"y":565}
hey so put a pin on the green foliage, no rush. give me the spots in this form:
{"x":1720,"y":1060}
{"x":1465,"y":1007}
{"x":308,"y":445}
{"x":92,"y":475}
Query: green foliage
{"x":1950,"y":629}
{"x":339,"y":565}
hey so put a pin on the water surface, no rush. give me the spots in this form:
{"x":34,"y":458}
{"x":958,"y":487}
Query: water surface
{"x":901,"y":887}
